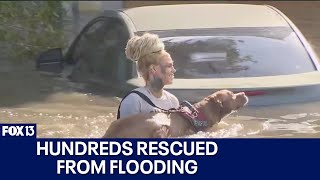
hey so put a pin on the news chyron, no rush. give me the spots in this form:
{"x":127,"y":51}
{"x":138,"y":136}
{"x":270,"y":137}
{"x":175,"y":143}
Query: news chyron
{"x":18,"y":130}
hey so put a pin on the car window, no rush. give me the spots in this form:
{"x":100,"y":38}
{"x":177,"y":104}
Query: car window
{"x":88,"y":39}
{"x":100,"y":48}
{"x":236,"y":52}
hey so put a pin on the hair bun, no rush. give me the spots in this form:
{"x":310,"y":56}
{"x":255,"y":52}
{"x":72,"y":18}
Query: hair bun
{"x":139,"y":46}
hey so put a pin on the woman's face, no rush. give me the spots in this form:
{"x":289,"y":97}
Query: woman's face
{"x":165,"y":70}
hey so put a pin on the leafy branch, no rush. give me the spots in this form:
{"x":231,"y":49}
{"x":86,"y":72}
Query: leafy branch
{"x":30,"y":27}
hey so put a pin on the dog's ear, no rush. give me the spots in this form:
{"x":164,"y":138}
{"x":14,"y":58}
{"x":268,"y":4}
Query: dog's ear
{"x":216,"y":100}
{"x":213,"y":109}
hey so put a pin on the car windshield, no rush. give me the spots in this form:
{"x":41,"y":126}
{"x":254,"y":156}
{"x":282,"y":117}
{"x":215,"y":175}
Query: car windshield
{"x":236,"y":52}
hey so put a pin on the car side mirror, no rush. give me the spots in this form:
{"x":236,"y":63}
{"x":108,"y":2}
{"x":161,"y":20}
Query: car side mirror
{"x":50,"y":61}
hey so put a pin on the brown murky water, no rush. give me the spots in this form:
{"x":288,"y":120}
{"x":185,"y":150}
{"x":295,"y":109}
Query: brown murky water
{"x":59,"y":107}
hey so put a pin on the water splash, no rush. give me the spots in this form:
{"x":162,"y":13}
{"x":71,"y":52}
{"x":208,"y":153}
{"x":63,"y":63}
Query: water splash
{"x":294,"y":116}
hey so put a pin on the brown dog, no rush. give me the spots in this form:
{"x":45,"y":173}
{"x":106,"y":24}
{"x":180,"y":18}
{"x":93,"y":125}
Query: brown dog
{"x":160,"y":125}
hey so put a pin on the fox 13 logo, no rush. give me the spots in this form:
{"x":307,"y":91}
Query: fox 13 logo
{"x":18,"y":130}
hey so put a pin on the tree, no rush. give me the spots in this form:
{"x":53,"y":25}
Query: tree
{"x":30,"y":27}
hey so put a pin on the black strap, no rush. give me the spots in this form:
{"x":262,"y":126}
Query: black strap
{"x":144,"y":97}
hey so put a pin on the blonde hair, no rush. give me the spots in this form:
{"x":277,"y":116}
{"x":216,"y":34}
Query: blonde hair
{"x":146,"y":50}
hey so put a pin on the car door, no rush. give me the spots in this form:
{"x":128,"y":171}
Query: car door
{"x":99,"y":53}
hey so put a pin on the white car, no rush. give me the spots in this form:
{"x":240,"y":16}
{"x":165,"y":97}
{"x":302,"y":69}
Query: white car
{"x":240,"y":47}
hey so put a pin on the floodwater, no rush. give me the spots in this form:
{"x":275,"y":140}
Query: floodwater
{"x":59,"y":107}
{"x":64,"y":109}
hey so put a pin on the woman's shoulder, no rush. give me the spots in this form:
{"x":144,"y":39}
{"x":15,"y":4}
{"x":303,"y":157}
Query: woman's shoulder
{"x":131,"y":96}
{"x":141,"y":89}
{"x":171,"y":96}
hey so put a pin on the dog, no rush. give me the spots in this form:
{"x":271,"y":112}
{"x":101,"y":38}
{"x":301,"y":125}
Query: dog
{"x":210,"y":111}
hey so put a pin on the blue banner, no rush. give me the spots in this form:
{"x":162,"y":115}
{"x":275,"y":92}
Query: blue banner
{"x":31,"y":157}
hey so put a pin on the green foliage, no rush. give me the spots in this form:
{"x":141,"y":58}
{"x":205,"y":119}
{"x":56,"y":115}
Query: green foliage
{"x":30,"y":27}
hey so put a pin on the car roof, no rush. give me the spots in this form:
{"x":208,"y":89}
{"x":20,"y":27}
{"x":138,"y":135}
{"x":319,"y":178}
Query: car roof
{"x":194,"y":16}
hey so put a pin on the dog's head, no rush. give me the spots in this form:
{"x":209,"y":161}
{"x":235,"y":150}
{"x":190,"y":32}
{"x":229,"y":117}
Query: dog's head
{"x":222,"y":103}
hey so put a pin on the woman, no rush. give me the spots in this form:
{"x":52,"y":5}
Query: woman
{"x":156,"y":67}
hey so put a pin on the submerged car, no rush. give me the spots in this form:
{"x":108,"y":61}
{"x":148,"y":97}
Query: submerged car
{"x":240,"y":47}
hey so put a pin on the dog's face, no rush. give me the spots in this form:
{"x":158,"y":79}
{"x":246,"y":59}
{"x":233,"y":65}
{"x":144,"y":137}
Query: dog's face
{"x":231,"y":101}
{"x":222,"y":103}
